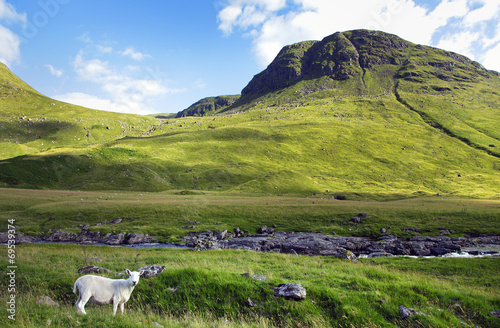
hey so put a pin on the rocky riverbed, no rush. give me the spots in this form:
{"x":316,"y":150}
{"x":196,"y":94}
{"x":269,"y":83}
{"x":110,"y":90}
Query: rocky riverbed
{"x":267,"y":240}
{"x":319,"y":244}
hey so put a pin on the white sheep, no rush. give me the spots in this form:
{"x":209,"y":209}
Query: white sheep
{"x":103,"y":291}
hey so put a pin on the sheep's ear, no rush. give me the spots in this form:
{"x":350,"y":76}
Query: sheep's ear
{"x":141,"y":272}
{"x":127,"y":271}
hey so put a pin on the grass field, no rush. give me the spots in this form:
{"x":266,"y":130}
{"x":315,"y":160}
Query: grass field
{"x":206,"y":289}
{"x":165,"y":214}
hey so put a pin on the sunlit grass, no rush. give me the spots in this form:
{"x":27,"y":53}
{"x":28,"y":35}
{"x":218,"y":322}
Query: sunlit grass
{"x":206,"y":289}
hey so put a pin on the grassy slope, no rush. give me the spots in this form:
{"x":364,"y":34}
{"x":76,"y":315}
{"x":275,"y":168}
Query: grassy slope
{"x":364,"y":145}
{"x":415,"y":128}
{"x":207,"y":289}
{"x":31,"y":123}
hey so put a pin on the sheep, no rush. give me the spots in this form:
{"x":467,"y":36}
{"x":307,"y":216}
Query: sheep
{"x":103,"y":291}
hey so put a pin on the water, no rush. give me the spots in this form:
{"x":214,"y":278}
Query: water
{"x":138,"y":246}
{"x":466,"y":252}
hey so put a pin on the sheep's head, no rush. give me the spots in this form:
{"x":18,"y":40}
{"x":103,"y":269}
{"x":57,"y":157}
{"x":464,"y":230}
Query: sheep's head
{"x":134,"y":276}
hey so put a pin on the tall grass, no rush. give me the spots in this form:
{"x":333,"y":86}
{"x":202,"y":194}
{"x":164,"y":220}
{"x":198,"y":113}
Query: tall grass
{"x":207,"y":289}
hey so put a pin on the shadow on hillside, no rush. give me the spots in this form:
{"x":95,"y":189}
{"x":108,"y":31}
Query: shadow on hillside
{"x":25,"y":131}
{"x":215,"y":134}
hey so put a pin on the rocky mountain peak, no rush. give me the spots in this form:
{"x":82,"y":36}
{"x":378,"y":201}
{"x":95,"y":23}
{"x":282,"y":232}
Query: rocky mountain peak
{"x":344,"y":55}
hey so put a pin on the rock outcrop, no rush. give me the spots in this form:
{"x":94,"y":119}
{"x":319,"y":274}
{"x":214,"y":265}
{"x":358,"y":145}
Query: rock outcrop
{"x":346,"y":55}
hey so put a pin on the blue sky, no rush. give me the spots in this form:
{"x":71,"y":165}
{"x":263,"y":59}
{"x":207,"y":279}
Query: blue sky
{"x":160,"y":56}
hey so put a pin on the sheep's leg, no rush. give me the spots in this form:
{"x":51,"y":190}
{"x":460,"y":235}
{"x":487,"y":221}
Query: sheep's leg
{"x":77,"y":304}
{"x":82,"y":300}
{"x":122,"y":307}
{"x":115,"y":305}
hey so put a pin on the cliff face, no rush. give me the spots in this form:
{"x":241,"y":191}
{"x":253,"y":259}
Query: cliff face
{"x":345,"y":55}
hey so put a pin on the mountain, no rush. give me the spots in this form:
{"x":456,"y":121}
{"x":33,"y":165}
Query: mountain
{"x":357,"y":114}
{"x":209,"y":105}
{"x":356,"y":54}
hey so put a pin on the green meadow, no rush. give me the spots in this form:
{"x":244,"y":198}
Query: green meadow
{"x":207,"y":289}
{"x":166,"y":214}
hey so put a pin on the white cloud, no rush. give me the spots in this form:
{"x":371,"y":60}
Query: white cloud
{"x":9,"y":41}
{"x":9,"y":14}
{"x":122,"y":89}
{"x":94,"y":102}
{"x":9,"y":46}
{"x":104,"y":49}
{"x":492,"y":58}
{"x":459,"y":43}
{"x":462,"y":26}
{"x":135,"y":55}
{"x":54,"y":71}
{"x":487,"y":11}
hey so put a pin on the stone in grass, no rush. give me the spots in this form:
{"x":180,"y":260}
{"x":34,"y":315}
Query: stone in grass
{"x":47,"y":301}
{"x":347,"y":255}
{"x":496,"y":313}
{"x":151,"y":271}
{"x":250,"y":303}
{"x":405,"y":312}
{"x":92,"y":269}
{"x":290,"y":291}
{"x":259,"y":277}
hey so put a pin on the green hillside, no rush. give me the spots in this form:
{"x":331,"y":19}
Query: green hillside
{"x":358,"y":114}
{"x":31,"y":123}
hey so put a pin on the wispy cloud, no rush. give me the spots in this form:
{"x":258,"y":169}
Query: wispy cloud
{"x":135,"y":55}
{"x":9,"y":14}
{"x":127,"y":89}
{"x":9,"y":41}
{"x":54,"y":71}
{"x":465,"y":26}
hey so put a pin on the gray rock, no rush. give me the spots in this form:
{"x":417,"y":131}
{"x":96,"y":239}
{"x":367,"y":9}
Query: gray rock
{"x":137,"y":238}
{"x":19,"y":238}
{"x":61,"y":236}
{"x":25,"y":239}
{"x":151,"y":271}
{"x":259,"y":277}
{"x":355,"y":219}
{"x":405,"y":312}
{"x":438,"y":251}
{"x":262,"y":229}
{"x":221,"y":234}
{"x":117,"y":239}
{"x":290,"y":291}
{"x":496,"y":313}
{"x":88,"y":236}
{"x":92,"y":269}
{"x":250,"y":303}
{"x":348,"y":255}
{"x":45,"y":300}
